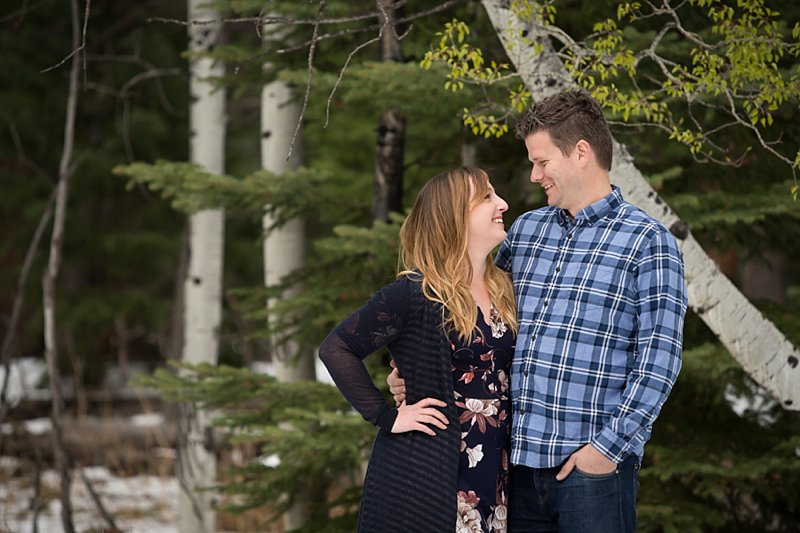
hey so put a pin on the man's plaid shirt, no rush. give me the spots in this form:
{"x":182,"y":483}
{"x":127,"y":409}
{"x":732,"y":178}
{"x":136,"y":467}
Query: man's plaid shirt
{"x":601,"y":302}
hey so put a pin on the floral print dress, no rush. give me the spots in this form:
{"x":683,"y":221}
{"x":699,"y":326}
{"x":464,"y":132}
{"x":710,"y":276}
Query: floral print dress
{"x":480,"y":379}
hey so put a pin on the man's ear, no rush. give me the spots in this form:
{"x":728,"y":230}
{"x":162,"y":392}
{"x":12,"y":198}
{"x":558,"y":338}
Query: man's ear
{"x":583,"y":151}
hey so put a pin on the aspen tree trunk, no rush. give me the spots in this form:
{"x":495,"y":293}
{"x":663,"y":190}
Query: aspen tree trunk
{"x":203,"y":284}
{"x":387,"y":190}
{"x":50,"y":276}
{"x":469,"y":154}
{"x":284,"y":247}
{"x":763,"y":351}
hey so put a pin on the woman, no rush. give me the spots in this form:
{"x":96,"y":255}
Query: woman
{"x":440,"y":460}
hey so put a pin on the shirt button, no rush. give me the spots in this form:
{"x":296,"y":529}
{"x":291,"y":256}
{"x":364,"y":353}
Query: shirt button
{"x":545,"y":303}
{"x":569,"y":235}
{"x":558,"y":269}
{"x":525,"y":373}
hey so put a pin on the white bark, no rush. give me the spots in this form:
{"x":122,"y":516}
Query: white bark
{"x":284,"y":248}
{"x":50,"y":276}
{"x":203,"y":284}
{"x":762,"y":350}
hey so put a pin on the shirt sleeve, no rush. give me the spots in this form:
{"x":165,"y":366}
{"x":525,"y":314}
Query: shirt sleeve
{"x":503,"y":258}
{"x":376,"y":324}
{"x":661,"y":306}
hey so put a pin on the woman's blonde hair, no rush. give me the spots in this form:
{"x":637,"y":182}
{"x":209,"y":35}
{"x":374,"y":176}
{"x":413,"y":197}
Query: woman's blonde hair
{"x":433,"y":242}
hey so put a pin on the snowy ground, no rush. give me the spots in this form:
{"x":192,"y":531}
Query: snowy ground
{"x":139,"y":504}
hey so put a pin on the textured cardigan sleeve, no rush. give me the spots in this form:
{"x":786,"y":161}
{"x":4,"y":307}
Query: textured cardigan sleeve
{"x":375,"y":325}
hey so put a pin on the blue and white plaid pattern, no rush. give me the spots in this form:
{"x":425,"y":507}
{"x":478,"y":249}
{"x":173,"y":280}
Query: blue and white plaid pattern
{"x":601,"y":302}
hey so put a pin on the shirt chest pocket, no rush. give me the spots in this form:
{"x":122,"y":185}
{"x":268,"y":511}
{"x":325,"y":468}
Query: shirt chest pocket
{"x":595,"y":285}
{"x":596,"y":296}
{"x":590,"y":275}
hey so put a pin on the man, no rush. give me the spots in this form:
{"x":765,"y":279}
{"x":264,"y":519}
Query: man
{"x":601,"y":302}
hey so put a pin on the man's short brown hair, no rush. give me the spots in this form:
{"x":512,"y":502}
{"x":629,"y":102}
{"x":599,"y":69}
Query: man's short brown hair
{"x":568,"y":117}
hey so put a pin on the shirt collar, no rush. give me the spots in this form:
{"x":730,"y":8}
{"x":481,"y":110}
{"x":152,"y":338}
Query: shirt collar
{"x":596,"y":211}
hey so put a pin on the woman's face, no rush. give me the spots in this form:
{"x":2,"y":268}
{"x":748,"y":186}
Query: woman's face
{"x":486,"y":227}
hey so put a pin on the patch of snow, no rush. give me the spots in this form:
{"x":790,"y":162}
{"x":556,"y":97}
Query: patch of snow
{"x":25,"y":376}
{"x":148,"y":420}
{"x":263,"y":367}
{"x":138,"y":504}
{"x":38,"y":426}
{"x":266,"y":367}
{"x":758,"y":403}
{"x":323,"y":376}
{"x":270,"y":461}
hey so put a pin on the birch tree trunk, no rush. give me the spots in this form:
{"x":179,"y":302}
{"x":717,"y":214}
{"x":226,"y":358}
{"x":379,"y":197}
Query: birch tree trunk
{"x":203,"y":284}
{"x":284,"y":247}
{"x":763,"y":351}
{"x":50,"y":276}
{"x":387,"y":185}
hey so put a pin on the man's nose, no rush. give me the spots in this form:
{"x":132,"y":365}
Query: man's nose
{"x":536,"y":175}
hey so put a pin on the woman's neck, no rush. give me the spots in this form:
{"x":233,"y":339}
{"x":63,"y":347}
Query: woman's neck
{"x":478,"y":288}
{"x":478,"y":261}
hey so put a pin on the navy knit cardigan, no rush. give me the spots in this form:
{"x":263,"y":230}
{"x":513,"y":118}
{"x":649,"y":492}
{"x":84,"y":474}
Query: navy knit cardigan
{"x":410,"y":484}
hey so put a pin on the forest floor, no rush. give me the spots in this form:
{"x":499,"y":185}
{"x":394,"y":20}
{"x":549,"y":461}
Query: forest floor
{"x":142,"y":503}
{"x":125,"y":443}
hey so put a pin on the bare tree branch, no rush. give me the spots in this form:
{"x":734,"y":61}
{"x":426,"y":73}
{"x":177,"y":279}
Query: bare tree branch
{"x":86,"y":10}
{"x":99,"y":502}
{"x":19,"y":298}
{"x":20,"y":13}
{"x":311,"y":51}
{"x":51,"y":275}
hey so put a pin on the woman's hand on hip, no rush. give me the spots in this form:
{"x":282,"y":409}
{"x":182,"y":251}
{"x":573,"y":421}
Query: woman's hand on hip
{"x":420,"y":416}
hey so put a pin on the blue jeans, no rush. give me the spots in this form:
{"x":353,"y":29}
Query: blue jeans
{"x":582,"y":503}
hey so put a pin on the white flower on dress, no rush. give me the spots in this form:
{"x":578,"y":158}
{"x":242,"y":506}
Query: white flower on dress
{"x":475,"y":455}
{"x":498,"y":519}
{"x":482,"y":407}
{"x":468,"y":519}
{"x":502,"y":377}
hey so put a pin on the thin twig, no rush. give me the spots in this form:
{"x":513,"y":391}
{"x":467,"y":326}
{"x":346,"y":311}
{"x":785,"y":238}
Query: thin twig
{"x":19,"y":297}
{"x":351,"y":31}
{"x":71,"y":54}
{"x":19,"y":13}
{"x":263,"y":20}
{"x":353,"y":52}
{"x":37,"y":503}
{"x":86,"y":10}
{"x":98,"y":502}
{"x":152,"y":72}
{"x":311,"y":51}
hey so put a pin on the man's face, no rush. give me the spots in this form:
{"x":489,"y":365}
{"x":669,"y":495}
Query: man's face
{"x":558,"y":174}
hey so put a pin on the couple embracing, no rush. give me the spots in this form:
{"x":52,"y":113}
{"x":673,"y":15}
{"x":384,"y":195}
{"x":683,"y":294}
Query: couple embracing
{"x":527,"y":384}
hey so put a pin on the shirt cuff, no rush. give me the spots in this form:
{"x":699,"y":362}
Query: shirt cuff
{"x":610,"y":444}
